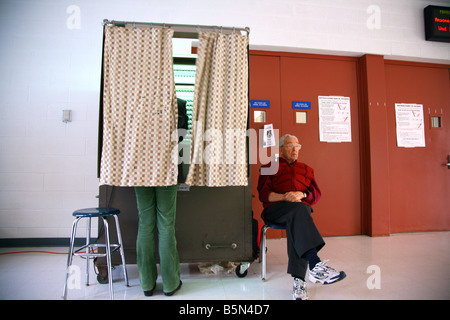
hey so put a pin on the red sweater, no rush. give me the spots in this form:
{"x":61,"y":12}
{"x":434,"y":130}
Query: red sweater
{"x":296,"y":176}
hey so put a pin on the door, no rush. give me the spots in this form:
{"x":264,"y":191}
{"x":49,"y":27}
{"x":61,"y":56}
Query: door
{"x":419,"y":177}
{"x":336,"y":165}
{"x":286,"y":78}
{"x":264,"y":86}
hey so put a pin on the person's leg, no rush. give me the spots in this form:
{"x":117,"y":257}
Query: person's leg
{"x":166,"y":199}
{"x":145,"y":244}
{"x":301,"y":232}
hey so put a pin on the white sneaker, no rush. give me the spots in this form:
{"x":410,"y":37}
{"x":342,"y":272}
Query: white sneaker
{"x":324,"y":274}
{"x":299,"y":291}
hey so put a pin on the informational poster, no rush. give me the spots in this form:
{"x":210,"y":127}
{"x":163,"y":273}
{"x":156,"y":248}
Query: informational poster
{"x":334,"y":119}
{"x":409,"y":125}
{"x":269,"y":137}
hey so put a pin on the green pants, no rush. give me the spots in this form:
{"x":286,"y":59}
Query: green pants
{"x":157,"y":208}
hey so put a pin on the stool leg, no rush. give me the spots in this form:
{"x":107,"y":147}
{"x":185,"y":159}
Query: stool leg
{"x":263,"y":253}
{"x":70,"y":256}
{"x":108,"y":258}
{"x":88,"y":249}
{"x":122,"y":253}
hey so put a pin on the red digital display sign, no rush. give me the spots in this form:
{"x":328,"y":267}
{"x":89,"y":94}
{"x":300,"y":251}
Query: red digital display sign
{"x":437,"y":23}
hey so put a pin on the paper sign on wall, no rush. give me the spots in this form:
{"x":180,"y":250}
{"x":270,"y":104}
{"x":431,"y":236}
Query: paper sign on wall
{"x":334,"y":119}
{"x":409,"y":125}
{"x":268,"y":138}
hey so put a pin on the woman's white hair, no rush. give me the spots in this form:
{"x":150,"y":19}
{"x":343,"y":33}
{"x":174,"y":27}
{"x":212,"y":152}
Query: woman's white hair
{"x":281,"y":141}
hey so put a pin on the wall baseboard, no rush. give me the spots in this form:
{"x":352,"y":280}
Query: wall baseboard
{"x":41,"y":242}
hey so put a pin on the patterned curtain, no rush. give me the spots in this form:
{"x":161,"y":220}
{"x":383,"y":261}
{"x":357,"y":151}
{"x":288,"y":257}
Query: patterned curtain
{"x":218,"y":144}
{"x":139,"y":108}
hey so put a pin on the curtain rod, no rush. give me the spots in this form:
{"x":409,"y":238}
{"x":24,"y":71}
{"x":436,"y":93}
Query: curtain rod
{"x":189,"y":28}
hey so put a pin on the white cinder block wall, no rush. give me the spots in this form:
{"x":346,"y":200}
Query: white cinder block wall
{"x":50,"y":60}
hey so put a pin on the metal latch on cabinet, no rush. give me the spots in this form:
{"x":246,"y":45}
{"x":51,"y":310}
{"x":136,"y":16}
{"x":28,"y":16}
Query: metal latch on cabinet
{"x":210,"y":246}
